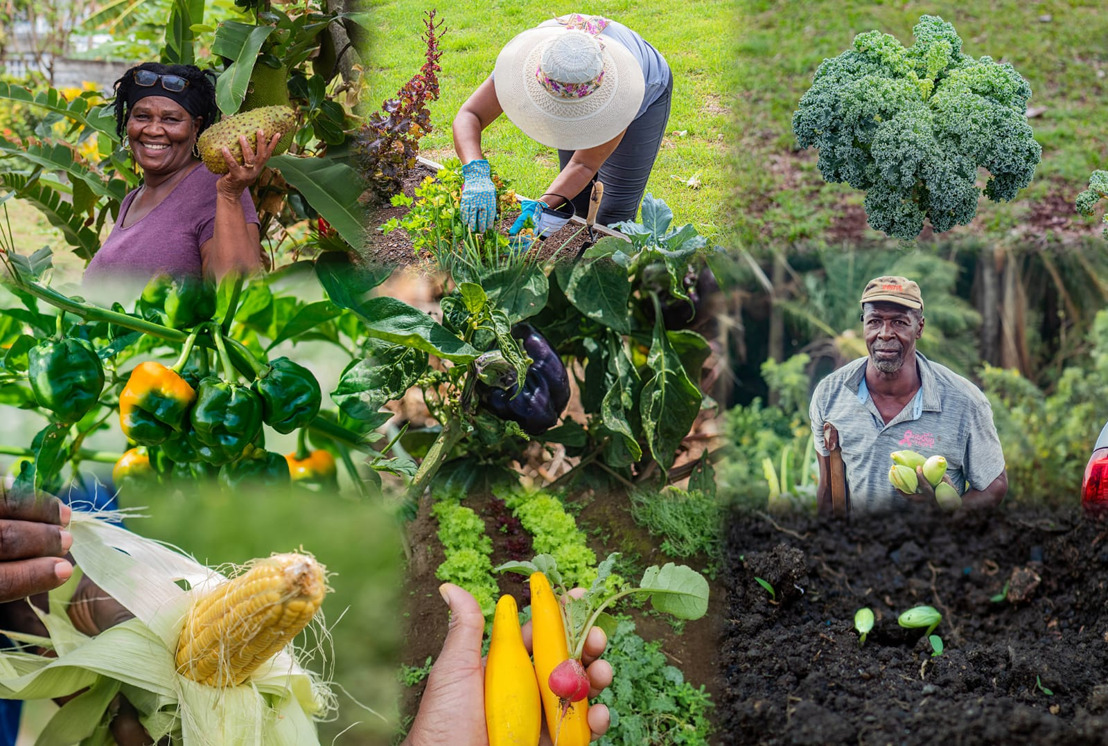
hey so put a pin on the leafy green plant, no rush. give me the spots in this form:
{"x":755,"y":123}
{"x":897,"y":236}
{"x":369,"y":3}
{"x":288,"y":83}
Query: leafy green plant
{"x":468,"y":553}
{"x":411,"y":675}
{"x":554,"y":531}
{"x":689,"y":521}
{"x":910,"y":126}
{"x":1041,"y":688}
{"x":650,"y":700}
{"x":1098,"y":189}
{"x":388,"y":142}
{"x":433,"y":223}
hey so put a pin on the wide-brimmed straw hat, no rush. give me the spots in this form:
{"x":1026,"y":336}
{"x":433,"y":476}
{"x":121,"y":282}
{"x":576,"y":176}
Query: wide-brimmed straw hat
{"x":566,"y":88}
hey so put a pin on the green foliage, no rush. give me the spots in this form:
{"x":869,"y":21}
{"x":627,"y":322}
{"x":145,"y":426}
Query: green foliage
{"x":411,"y":675}
{"x":468,"y":550}
{"x":433,"y":223}
{"x":912,"y":125}
{"x":689,"y":522}
{"x":1098,"y":189}
{"x":1046,"y":437}
{"x":649,"y":700}
{"x":554,"y":532}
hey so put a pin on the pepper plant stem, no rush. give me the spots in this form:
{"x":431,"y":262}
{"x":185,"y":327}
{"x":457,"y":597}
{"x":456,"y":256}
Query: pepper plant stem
{"x":95,"y":313}
{"x":436,"y":454}
{"x":103,"y":457}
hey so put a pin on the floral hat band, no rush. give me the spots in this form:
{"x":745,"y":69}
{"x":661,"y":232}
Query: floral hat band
{"x":568,"y":91}
{"x":572,"y":65}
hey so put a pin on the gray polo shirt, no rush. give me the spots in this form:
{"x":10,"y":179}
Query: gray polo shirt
{"x":949,"y":416}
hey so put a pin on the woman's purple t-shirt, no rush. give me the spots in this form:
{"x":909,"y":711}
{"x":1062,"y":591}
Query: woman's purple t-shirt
{"x":169,"y":237}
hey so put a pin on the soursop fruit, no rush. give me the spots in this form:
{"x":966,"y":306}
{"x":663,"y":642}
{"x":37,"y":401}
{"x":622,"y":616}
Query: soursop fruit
{"x":225,"y":133}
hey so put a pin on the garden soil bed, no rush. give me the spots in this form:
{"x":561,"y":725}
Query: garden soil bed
{"x":1030,"y":666}
{"x":395,"y":249}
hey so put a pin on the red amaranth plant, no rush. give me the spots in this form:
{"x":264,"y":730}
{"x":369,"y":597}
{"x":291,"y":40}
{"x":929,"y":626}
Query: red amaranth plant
{"x":389,"y":141}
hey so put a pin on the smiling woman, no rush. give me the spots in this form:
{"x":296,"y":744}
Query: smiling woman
{"x":183,"y":220}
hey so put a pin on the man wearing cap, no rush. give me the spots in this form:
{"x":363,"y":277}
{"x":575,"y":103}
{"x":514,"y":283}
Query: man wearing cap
{"x":588,"y":86}
{"x":896,"y":399}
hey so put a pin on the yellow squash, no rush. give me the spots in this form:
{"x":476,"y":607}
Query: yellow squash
{"x":513,"y":710}
{"x":550,"y":648}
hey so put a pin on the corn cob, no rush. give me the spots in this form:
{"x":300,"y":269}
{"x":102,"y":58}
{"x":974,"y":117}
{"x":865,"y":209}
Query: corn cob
{"x":245,"y":621}
{"x":904,"y":479}
{"x":911,"y":459}
{"x":934,"y":469}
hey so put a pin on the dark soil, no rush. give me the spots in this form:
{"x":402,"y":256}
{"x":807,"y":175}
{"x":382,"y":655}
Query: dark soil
{"x":394,"y":249}
{"x":1024,"y":597}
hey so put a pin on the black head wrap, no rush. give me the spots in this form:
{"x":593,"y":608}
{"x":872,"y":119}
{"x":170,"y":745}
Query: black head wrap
{"x":198,"y":97}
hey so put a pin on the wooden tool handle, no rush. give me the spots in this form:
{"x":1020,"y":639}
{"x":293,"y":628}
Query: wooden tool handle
{"x":594,"y":202}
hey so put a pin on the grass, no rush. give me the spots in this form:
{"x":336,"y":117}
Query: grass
{"x":697,"y":38}
{"x":779,"y":195}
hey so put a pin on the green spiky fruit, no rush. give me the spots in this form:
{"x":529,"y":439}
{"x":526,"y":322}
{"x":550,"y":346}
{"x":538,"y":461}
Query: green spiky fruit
{"x":225,"y":134}
{"x":904,"y":479}
{"x":934,"y":469}
{"x":268,"y":87}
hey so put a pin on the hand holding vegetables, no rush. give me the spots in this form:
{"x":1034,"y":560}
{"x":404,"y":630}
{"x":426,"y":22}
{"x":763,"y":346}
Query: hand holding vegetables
{"x":924,"y":480}
{"x":452,"y":709}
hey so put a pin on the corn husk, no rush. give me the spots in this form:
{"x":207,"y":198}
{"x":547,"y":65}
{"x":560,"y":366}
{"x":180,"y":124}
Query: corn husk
{"x":274,"y":706}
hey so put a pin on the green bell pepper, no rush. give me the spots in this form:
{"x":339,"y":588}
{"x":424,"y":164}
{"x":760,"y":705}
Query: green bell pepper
{"x":226,"y":418}
{"x":255,"y":468}
{"x":290,"y":395}
{"x":178,"y":302}
{"x":66,"y":377}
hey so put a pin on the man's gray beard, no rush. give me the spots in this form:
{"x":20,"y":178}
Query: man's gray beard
{"x":888,"y":366}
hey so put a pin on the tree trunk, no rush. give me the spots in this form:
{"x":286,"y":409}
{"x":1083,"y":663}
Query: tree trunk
{"x":776,"y":341}
{"x":989,"y":306}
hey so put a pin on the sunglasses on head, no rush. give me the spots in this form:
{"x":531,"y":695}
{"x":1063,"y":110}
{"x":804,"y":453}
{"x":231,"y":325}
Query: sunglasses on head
{"x":148,"y":78}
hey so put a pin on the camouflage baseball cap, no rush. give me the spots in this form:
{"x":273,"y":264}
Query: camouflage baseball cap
{"x":893,"y":289}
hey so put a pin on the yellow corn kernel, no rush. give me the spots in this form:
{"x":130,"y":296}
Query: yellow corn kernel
{"x":245,"y":621}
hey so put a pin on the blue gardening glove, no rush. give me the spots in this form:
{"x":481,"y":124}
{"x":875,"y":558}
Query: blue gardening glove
{"x":478,"y":196}
{"x":544,"y":220}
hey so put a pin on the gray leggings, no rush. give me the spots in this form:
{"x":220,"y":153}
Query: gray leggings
{"x":625,"y":173}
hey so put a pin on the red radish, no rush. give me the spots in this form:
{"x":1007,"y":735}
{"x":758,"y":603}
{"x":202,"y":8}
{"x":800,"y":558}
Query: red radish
{"x":569,"y":681}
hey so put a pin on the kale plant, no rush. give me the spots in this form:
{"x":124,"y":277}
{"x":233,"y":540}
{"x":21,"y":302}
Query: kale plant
{"x":911,"y":125}
{"x":1098,"y":189}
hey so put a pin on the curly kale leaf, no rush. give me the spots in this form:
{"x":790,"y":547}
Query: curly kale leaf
{"x":910,"y":126}
{"x":1098,"y":187}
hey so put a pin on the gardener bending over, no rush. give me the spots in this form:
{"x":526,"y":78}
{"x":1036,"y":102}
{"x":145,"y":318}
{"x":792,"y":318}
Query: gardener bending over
{"x":588,"y":86}
{"x":896,"y":399}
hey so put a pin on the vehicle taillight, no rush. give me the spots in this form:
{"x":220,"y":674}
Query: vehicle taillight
{"x":1094,"y":487}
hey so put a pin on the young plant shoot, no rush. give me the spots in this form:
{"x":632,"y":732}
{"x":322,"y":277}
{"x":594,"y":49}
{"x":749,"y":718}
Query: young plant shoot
{"x":863,"y":622}
{"x":769,"y":589}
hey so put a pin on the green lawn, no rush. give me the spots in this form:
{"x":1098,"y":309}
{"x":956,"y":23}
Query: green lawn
{"x":697,"y":38}
{"x":1059,"y":47}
